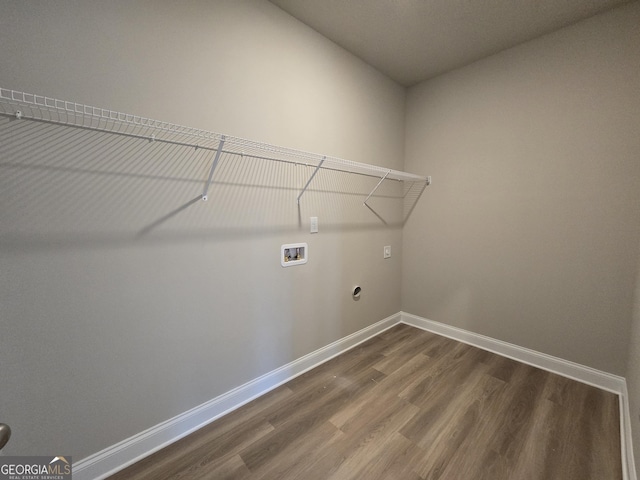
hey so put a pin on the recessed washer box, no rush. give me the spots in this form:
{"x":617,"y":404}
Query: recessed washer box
{"x":294,"y":254}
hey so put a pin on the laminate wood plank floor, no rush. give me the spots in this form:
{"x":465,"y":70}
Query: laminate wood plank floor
{"x":407,"y":404}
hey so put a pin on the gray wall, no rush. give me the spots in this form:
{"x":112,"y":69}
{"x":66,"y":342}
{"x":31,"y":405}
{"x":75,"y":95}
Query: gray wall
{"x":113,"y":321}
{"x":124,"y":301}
{"x":530,"y":231}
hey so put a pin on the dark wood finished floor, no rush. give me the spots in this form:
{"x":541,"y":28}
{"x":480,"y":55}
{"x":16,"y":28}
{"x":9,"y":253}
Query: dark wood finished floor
{"x":407,"y":404}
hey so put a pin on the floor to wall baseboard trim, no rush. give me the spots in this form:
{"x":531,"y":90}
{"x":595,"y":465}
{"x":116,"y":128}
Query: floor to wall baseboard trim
{"x":625,"y":429}
{"x":133,"y":449}
{"x":575,"y":371}
{"x":118,"y":456}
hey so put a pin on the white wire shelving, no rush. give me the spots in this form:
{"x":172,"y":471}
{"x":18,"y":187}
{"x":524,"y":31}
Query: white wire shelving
{"x":28,"y":106}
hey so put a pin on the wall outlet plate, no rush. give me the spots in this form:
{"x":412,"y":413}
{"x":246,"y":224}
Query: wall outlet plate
{"x":387,"y":251}
{"x":313,"y":222}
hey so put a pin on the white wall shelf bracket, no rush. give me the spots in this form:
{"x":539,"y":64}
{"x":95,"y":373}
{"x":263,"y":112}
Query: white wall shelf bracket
{"x":311,"y":178}
{"x":375,"y":188}
{"x":213,"y":168}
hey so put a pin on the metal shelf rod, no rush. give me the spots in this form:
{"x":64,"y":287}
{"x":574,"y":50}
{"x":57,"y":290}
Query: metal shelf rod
{"x":26,"y":106}
{"x":72,"y":109}
{"x":188,"y":144}
{"x":21,"y":116}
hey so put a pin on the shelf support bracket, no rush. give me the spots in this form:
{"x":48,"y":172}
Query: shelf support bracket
{"x":311,"y":178}
{"x":375,"y":188}
{"x":213,"y":168}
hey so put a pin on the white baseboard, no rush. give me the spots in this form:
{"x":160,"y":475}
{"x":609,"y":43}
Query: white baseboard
{"x":626,"y":441}
{"x":112,"y":459}
{"x":575,"y":371}
{"x":133,"y":449}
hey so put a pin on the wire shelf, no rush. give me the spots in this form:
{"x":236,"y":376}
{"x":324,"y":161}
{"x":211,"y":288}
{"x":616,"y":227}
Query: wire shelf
{"x":34,"y":107}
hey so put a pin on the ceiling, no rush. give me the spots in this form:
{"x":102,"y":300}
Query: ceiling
{"x":413,"y":40}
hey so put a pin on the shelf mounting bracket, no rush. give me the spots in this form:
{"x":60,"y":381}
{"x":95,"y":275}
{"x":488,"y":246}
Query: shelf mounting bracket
{"x":311,"y":178}
{"x":375,"y":188}
{"x":213,"y":168}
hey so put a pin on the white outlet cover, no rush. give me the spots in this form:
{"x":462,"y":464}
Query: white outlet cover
{"x":313,"y":221}
{"x":387,"y":251}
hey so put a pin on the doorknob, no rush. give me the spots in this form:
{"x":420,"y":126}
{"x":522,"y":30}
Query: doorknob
{"x":5,"y":434}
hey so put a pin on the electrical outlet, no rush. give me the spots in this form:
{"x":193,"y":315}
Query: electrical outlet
{"x":387,"y":251}
{"x":313,"y":222}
